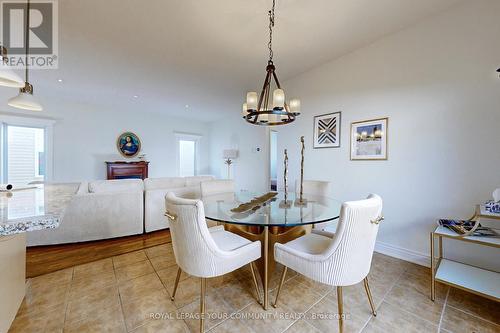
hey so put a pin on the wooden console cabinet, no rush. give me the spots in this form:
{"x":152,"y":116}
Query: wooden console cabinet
{"x":126,"y":170}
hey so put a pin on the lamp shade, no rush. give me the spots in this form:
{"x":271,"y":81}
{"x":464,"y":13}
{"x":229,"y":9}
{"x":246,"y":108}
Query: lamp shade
{"x":8,"y":78}
{"x":278,"y":98}
{"x":252,"y":100}
{"x":230,"y":153}
{"x":25,"y":101}
{"x":295,"y":106}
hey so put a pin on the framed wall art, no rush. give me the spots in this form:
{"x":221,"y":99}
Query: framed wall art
{"x":327,"y":130}
{"x":128,"y":144}
{"x":369,"y":139}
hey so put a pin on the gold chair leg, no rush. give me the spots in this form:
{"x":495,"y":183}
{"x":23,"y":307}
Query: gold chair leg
{"x":282,"y":280}
{"x":179,"y":271}
{"x":202,"y":304}
{"x":255,"y":283}
{"x":341,"y":309}
{"x":369,"y":294}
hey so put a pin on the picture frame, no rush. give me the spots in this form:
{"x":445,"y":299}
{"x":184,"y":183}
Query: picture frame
{"x":128,"y":144}
{"x":369,"y":139}
{"x":326,"y":132}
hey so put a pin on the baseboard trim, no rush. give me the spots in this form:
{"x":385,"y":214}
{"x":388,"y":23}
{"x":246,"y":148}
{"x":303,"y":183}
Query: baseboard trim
{"x":402,"y":253}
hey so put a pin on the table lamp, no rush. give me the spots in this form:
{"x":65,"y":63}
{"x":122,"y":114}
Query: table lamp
{"x":229,"y":155}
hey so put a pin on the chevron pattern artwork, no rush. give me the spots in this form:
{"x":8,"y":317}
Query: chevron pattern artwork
{"x":327,"y":130}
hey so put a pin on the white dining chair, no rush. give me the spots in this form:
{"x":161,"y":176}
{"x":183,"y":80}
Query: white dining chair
{"x":205,"y":252}
{"x":314,"y":187}
{"x":340,"y":259}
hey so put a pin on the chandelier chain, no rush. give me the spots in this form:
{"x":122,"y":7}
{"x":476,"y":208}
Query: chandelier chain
{"x":271,"y":25}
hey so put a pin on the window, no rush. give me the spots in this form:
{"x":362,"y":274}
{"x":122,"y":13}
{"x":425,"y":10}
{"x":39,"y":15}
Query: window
{"x":25,"y":150}
{"x":187,"y":155}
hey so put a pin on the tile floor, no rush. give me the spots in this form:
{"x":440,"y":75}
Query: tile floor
{"x":131,"y":293}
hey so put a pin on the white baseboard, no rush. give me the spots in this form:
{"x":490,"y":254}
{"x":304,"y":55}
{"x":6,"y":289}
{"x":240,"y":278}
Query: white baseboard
{"x":402,"y":253}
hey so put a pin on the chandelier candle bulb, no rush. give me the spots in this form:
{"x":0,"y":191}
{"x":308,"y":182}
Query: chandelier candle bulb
{"x":278,"y":99}
{"x":252,"y":100}
{"x":295,"y":106}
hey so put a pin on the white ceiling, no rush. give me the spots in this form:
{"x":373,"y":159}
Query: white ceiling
{"x":203,"y":53}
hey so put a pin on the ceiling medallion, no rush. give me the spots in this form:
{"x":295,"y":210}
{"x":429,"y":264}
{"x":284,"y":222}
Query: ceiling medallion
{"x":262,"y":110}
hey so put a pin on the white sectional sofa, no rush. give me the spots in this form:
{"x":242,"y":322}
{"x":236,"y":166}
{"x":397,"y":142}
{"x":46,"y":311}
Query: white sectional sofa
{"x":99,"y":210}
{"x":155,"y":190}
{"x":106,"y":209}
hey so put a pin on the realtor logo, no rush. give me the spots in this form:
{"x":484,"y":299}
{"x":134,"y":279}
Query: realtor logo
{"x":43,"y":33}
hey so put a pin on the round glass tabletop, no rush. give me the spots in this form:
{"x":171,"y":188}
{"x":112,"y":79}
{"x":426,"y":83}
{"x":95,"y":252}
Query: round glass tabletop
{"x":275,"y":212}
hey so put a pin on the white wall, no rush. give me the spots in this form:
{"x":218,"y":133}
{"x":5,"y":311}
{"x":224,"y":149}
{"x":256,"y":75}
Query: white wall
{"x":85,"y":137}
{"x":436,"y":82}
{"x":251,"y":169}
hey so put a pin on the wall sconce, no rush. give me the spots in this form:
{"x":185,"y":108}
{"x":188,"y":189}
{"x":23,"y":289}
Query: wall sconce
{"x":229,"y":155}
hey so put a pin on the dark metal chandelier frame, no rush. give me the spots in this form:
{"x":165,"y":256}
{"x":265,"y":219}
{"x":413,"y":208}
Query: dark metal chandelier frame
{"x":273,"y":115}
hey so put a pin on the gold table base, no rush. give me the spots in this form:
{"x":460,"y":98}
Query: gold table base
{"x":268,"y":236}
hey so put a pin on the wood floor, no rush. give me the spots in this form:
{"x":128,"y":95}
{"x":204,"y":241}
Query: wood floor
{"x":45,"y":259}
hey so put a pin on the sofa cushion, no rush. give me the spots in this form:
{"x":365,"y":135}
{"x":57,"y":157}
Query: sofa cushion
{"x":196,"y":180}
{"x":118,"y":185}
{"x":164,"y":183}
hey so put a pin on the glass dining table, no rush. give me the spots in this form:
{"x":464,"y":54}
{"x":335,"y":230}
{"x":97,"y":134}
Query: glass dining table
{"x":278,"y":220}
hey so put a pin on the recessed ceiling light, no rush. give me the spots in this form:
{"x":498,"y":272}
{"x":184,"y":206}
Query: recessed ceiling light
{"x":60,"y":80}
{"x":187,"y":106}
{"x":136,"y":96}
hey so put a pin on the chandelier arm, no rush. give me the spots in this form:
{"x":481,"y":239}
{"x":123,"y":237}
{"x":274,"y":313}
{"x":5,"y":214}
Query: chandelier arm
{"x":261,"y":97}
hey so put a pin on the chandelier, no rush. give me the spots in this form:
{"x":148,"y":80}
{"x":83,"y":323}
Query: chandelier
{"x":261,"y":109}
{"x":25,"y":99}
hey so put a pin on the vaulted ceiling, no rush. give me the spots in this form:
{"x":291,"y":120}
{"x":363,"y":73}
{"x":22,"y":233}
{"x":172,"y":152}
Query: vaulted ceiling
{"x":208,"y":53}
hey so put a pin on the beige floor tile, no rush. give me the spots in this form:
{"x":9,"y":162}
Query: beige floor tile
{"x":168,"y":275}
{"x":411,"y":293}
{"x":86,"y":271}
{"x":162,"y":262}
{"x":147,"y":307}
{"x":216,"y":310}
{"x":324,"y":316}
{"x":164,"y":325}
{"x":132,"y":271}
{"x":42,"y":300}
{"x":476,"y":305}
{"x":43,"y":282}
{"x":296,"y":296}
{"x":391,"y":319}
{"x":129,"y":258}
{"x":108,"y":319}
{"x":91,"y":284}
{"x":232,"y":326}
{"x":301,"y":326}
{"x":460,"y":322}
{"x":188,"y":291}
{"x":131,"y":289}
{"x":318,"y":287}
{"x":51,"y":320}
{"x":274,"y":320}
{"x":160,"y":250}
{"x":355,"y":300}
{"x":415,"y":269}
{"x":236,"y":295}
{"x":92,"y":304}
